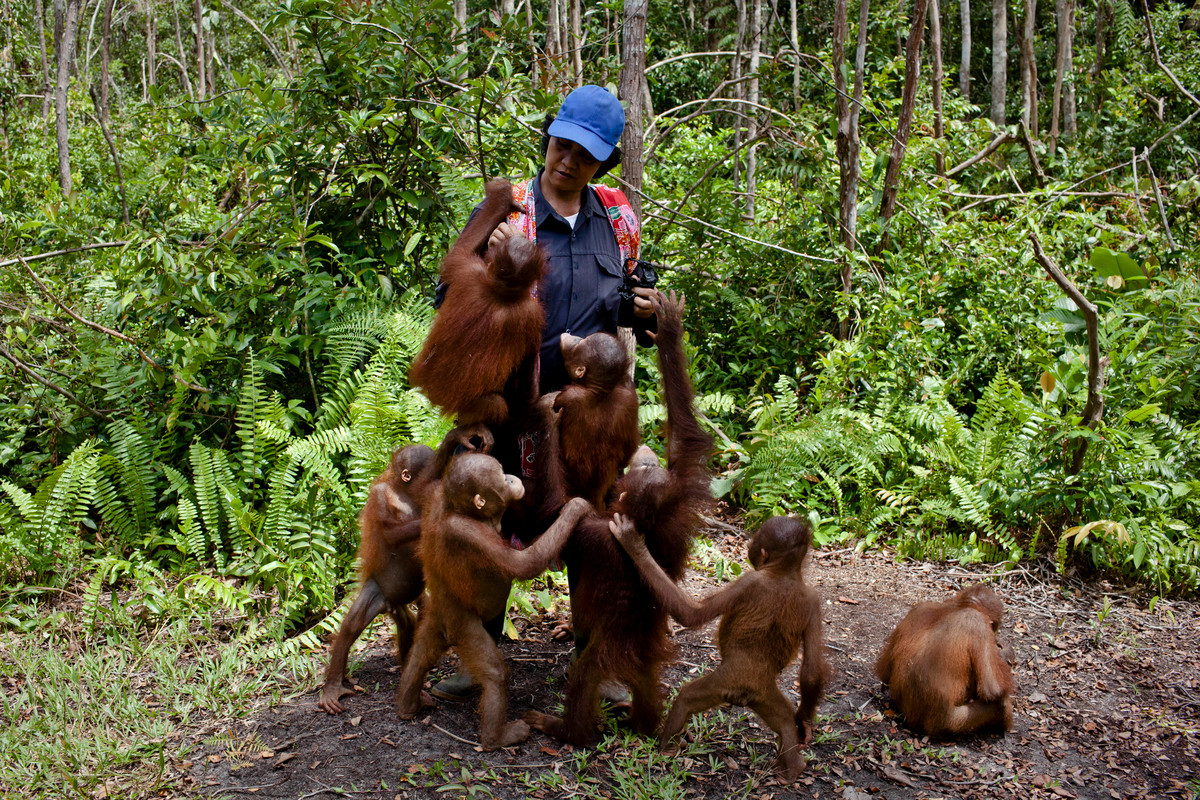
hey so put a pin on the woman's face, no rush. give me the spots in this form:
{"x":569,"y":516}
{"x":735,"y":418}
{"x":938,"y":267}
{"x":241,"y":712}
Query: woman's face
{"x":569,"y":167}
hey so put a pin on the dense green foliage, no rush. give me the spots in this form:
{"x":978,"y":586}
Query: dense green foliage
{"x":273,"y":281}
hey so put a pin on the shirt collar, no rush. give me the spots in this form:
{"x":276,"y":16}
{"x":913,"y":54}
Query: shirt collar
{"x":544,"y":211}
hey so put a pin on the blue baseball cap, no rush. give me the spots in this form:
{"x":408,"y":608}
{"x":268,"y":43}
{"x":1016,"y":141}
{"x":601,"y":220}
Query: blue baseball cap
{"x":593,"y":117}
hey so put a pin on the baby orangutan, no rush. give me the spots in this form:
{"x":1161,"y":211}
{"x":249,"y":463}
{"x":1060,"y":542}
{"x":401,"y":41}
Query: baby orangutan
{"x":469,"y":570}
{"x":389,"y":568}
{"x":944,"y":668}
{"x":766,"y":616}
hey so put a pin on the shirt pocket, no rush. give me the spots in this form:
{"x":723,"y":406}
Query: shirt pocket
{"x":611,"y":278}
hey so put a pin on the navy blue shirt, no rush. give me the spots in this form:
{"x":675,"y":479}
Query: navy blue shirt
{"x":583,"y":278}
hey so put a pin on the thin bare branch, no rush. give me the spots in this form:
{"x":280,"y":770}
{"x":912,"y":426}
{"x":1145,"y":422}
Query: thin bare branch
{"x":57,"y":253}
{"x":106,"y":331}
{"x":1162,"y":212}
{"x":1158,"y":58}
{"x":23,"y":367}
{"x":992,"y":147}
{"x":1093,"y":409}
{"x":723,"y":231}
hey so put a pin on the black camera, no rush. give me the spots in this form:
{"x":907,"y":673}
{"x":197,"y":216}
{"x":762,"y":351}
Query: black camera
{"x":644,"y":275}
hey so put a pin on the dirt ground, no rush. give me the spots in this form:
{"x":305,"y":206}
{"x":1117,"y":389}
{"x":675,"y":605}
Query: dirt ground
{"x":1108,"y":706}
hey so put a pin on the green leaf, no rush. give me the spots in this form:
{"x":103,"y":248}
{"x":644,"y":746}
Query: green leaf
{"x":1142,"y":413}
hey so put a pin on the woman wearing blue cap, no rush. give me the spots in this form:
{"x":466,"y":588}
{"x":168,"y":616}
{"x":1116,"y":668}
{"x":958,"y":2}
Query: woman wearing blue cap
{"x":586,"y":232}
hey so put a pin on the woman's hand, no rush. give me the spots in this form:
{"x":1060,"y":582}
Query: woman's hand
{"x":643,"y":301}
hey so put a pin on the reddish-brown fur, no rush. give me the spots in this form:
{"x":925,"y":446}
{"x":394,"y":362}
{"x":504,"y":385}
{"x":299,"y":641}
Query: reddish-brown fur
{"x":469,"y":569}
{"x":596,"y":415}
{"x":489,"y":325}
{"x":944,"y":668}
{"x":620,"y":629}
{"x":766,"y":616}
{"x":389,"y":567}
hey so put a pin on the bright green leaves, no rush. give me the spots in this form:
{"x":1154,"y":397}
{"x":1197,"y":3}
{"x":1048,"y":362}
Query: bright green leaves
{"x":1117,"y":270}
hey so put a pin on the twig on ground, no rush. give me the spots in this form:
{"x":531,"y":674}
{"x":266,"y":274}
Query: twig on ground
{"x":452,"y":736}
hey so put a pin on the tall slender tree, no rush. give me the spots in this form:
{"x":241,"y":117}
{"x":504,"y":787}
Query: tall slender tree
{"x":964,"y":64}
{"x":630,"y":91}
{"x":575,"y":42}
{"x":847,"y":144}
{"x":999,"y":60}
{"x":912,"y":75}
{"x":1063,"y":104}
{"x":201,"y":63}
{"x":105,"y":41}
{"x":460,"y":36}
{"x":40,"y":11}
{"x":151,"y":43}
{"x":1029,"y":76}
{"x":66,"y":28}
{"x":554,"y":50}
{"x":752,"y":94}
{"x":935,"y":51}
{"x":794,"y":34}
{"x":739,"y":89}
{"x":182,"y":62}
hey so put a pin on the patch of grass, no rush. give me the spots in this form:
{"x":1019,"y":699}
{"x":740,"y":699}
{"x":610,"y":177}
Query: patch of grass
{"x":103,"y":703}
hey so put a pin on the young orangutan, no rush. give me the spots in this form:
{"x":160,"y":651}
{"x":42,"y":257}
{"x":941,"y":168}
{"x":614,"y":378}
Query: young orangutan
{"x":766,"y":616}
{"x":596,"y":415}
{"x":388,"y":566}
{"x":469,"y":570}
{"x":945,"y":671}
{"x":489,"y":328}
{"x":620,"y":629}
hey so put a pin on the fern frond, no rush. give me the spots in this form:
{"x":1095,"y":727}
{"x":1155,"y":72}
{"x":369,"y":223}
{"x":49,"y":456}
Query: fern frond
{"x":208,"y":499}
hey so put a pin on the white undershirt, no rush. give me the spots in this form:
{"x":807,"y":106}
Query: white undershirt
{"x":571,"y":219}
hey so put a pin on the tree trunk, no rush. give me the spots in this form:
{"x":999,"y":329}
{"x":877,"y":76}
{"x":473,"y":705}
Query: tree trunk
{"x":739,"y":90}
{"x":1029,"y":77}
{"x":105,"y":39}
{"x":575,"y":43}
{"x":460,"y":37}
{"x":935,"y":46}
{"x":1070,"y":124}
{"x":794,"y":32}
{"x":40,"y":11}
{"x":553,"y":51}
{"x":912,"y":75}
{"x":847,"y":144}
{"x":151,"y":44}
{"x":201,"y":64}
{"x":66,"y":27}
{"x":964,"y":64}
{"x":534,"y":58}
{"x":210,"y":57}
{"x":1104,"y":15}
{"x":507,"y":9}
{"x":999,"y":60}
{"x":187,"y":82}
{"x":633,"y":37}
{"x":607,"y":50}
{"x":1060,"y":67}
{"x":756,"y":25}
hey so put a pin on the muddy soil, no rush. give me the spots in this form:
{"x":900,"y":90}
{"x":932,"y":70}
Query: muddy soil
{"x":1109,"y":706}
